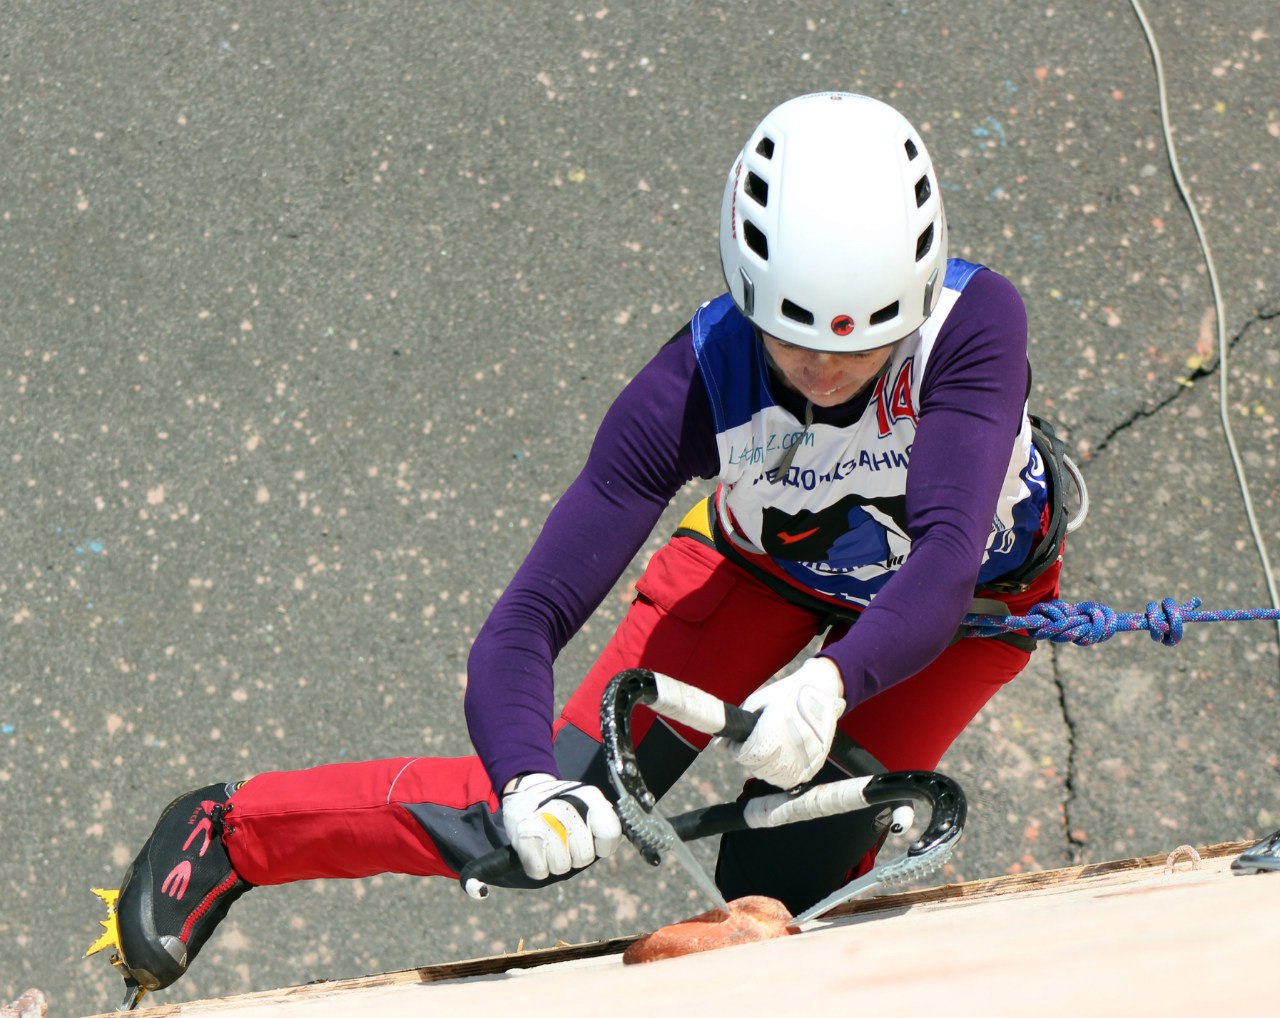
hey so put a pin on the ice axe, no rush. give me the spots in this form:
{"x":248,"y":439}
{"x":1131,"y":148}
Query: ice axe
{"x":652,"y":833}
{"x":1264,"y":857}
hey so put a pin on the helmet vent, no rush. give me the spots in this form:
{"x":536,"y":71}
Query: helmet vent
{"x":756,"y":240}
{"x":910,"y":146}
{"x":923,"y":190}
{"x":798,"y":314}
{"x":757,"y":189}
{"x":765,"y":147}
{"x":925,"y":242}
{"x":886,"y":314}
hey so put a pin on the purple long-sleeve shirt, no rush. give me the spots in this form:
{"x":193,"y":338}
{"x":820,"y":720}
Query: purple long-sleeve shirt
{"x":659,"y":434}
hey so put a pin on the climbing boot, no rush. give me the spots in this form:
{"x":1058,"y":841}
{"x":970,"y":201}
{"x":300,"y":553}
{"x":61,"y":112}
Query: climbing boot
{"x":174,"y":893}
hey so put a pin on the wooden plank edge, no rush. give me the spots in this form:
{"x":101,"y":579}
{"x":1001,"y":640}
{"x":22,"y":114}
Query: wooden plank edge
{"x":965,"y":891}
{"x":1017,"y":883}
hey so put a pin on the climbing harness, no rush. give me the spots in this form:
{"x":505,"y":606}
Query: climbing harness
{"x":709,"y":522}
{"x":1057,"y":465}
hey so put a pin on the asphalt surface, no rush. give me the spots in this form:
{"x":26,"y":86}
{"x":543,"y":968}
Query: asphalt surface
{"x":308,"y":313}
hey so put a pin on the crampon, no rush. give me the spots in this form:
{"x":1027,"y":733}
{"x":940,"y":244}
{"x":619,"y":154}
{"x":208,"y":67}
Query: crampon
{"x":110,"y":938}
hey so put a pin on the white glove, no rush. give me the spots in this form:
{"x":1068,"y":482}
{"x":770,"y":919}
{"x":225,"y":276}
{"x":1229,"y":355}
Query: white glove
{"x":558,"y":825}
{"x":793,"y":736}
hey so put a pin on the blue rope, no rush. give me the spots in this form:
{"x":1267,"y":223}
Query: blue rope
{"x":1088,"y":622}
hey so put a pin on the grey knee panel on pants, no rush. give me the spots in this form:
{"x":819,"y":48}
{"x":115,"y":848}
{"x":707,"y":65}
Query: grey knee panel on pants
{"x":461,"y":835}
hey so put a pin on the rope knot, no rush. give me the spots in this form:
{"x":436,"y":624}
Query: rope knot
{"x":1084,"y":623}
{"x":1164,"y":619}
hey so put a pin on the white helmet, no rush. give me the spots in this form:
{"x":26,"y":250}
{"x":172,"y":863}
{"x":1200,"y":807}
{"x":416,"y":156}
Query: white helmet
{"x":832,"y":235}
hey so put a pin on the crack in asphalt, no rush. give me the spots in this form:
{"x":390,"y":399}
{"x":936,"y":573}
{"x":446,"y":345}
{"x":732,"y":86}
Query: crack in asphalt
{"x":1074,"y":843}
{"x":1206,"y":370}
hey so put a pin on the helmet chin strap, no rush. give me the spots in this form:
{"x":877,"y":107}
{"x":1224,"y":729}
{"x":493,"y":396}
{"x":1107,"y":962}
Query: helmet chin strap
{"x":784,"y":464}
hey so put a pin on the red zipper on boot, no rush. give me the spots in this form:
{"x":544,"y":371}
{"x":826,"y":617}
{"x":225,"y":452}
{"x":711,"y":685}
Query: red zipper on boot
{"x":199,"y":911}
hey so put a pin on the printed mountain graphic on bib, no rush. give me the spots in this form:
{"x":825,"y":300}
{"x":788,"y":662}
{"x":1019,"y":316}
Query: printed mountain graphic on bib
{"x":843,"y":532}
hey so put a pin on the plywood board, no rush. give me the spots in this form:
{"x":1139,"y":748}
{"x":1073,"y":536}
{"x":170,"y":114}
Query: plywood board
{"x":1137,"y":936}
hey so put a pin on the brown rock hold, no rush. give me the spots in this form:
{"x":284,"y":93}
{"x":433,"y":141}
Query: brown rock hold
{"x":749,"y":919}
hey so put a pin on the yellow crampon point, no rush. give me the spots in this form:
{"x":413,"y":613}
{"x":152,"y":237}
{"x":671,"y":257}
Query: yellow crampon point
{"x":111,"y":938}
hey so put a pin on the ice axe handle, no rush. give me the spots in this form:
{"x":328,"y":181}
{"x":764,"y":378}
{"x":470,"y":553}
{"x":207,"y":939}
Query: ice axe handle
{"x":945,"y":797}
{"x":738,"y":723}
{"x":476,"y":874}
{"x":675,"y":701}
